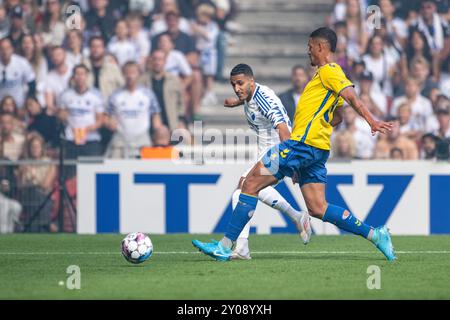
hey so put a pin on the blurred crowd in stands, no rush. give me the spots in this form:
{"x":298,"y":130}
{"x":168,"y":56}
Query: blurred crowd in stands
{"x":401,"y":69}
{"x":99,"y":77}
{"x":111,"y":72}
{"x":399,"y":62}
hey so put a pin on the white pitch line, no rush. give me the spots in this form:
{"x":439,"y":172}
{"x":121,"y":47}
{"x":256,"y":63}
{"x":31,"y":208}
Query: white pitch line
{"x":192,"y":252}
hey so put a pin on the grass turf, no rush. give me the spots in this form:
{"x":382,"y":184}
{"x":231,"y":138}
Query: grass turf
{"x":330,"y":267}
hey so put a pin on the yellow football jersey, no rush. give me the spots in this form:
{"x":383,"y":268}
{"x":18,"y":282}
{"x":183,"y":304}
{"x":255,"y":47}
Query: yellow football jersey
{"x":316,"y":106}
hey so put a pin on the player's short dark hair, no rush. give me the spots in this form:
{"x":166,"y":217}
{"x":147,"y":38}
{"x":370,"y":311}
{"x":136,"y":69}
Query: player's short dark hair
{"x":242,"y":68}
{"x":326,"y":34}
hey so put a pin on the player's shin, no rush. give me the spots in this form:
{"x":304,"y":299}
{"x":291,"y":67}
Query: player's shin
{"x":274,"y":199}
{"x":234,"y":201}
{"x":346,"y":221}
{"x":240,"y":217}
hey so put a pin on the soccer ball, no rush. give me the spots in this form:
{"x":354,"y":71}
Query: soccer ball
{"x":137,"y":247}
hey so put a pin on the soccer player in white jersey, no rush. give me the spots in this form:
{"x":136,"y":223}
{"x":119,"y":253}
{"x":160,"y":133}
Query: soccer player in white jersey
{"x":267,"y":116}
{"x":133,"y":111}
{"x":15,"y":74}
{"x":81,"y":108}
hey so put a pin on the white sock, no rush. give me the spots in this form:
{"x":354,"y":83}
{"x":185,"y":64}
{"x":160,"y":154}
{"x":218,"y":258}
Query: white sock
{"x":273,"y":198}
{"x":234,"y":201}
{"x":242,"y":246}
{"x":227,"y":243}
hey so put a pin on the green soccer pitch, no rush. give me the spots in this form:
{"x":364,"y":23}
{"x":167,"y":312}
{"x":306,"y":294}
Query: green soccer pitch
{"x":330,"y":267}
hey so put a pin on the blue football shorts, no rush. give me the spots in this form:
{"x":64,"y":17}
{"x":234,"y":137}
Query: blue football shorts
{"x":291,"y":156}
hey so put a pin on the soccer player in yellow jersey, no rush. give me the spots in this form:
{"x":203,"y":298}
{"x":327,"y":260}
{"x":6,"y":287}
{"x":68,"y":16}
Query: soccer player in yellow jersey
{"x":304,"y":155}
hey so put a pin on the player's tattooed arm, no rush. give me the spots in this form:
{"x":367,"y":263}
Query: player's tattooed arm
{"x":232,"y":102}
{"x":353,"y":100}
{"x":283,"y":131}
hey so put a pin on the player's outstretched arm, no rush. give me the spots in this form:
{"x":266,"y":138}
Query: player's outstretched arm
{"x":353,"y":100}
{"x":232,"y":102}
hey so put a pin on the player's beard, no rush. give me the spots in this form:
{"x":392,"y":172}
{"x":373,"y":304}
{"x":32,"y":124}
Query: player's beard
{"x":249,"y":92}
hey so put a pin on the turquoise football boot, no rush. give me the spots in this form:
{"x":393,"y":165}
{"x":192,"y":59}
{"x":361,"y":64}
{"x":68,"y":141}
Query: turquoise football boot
{"x":213,"y":249}
{"x":382,"y":240}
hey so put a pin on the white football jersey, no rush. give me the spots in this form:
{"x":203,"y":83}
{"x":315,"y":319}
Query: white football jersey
{"x":14,"y":77}
{"x":133,"y":110}
{"x":82,"y":109}
{"x":265,"y":112}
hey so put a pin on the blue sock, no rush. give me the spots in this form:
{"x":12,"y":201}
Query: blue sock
{"x":241,"y":215}
{"x":349,"y":223}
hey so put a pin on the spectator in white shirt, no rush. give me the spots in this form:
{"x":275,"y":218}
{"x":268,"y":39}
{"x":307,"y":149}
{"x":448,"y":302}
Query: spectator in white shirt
{"x":11,"y":143}
{"x":365,"y":142}
{"x":408,"y":126}
{"x":58,"y":79}
{"x":357,"y":29}
{"x":432,"y":25}
{"x":159,"y":24}
{"x":344,"y":145}
{"x":421,"y":71}
{"x":421,"y":107}
{"x":81,"y":108}
{"x":366,"y":85}
{"x":133,"y":112}
{"x":206,"y":31}
{"x":121,"y":46}
{"x":74,"y":53}
{"x":339,"y":11}
{"x":10,"y":210}
{"x":30,"y":50}
{"x":380,"y":64}
{"x":396,"y":27}
{"x":140,"y":37}
{"x":52,"y":28}
{"x":176,"y":62}
{"x":15,"y":74}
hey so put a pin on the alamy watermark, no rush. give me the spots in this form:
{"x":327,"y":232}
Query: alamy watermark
{"x":73,"y":17}
{"x":374,"y":279}
{"x":374,"y":15}
{"x":214,"y":146}
{"x":73,"y":281}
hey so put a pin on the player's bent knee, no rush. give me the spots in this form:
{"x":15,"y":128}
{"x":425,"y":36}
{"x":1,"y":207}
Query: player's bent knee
{"x":317,"y":210}
{"x":250,"y":186}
